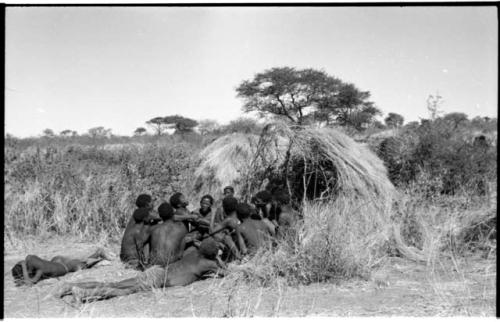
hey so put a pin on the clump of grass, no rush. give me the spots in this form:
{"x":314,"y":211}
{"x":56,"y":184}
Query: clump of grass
{"x":429,"y":226}
{"x":336,"y":240}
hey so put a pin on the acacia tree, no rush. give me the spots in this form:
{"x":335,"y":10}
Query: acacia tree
{"x":305,"y":95}
{"x":48,"y":133}
{"x":394,"y":120}
{"x":66,"y":133}
{"x":180,"y":123}
{"x":139,"y":131}
{"x":158,"y":124}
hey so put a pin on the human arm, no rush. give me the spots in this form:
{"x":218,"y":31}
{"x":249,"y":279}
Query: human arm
{"x":141,"y":240}
{"x":241,"y":242}
{"x":27,"y":279}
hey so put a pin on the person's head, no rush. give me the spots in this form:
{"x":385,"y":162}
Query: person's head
{"x":144,"y":201}
{"x":243,"y":211}
{"x":209,"y":248}
{"x":228,"y":191}
{"x":282,"y":197}
{"x":262,"y":200}
{"x":17,"y":274}
{"x":178,"y":200}
{"x":165,"y":211}
{"x":141,"y":214}
{"x":229,"y":204}
{"x":206,"y":203}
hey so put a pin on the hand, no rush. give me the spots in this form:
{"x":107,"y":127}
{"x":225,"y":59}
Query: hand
{"x":230,"y":223}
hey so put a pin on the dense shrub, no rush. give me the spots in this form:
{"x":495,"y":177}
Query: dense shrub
{"x":445,"y":151}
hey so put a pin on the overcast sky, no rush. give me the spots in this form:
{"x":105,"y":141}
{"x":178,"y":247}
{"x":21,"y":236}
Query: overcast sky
{"x":117,"y":67}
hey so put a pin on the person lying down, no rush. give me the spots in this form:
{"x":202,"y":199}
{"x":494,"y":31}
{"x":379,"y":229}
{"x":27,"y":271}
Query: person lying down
{"x":33,"y":268}
{"x":192,"y":267}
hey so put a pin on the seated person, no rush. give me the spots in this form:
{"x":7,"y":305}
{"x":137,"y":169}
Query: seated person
{"x":263,"y":202}
{"x":228,"y":238}
{"x":129,"y":253}
{"x":205,"y":215}
{"x":33,"y":269}
{"x":166,"y":240}
{"x":179,"y":202}
{"x":286,"y":215}
{"x":189,"y":269}
{"x":219,"y":211}
{"x":254,"y":232}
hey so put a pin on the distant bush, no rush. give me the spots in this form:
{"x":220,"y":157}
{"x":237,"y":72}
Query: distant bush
{"x":444,"y":149}
{"x":88,"y":190}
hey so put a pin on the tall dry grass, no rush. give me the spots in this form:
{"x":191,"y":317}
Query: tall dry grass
{"x":336,"y":240}
{"x":87,"y":191}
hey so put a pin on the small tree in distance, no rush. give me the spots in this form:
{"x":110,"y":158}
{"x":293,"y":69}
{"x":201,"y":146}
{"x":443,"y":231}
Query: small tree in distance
{"x":66,"y":133}
{"x":180,"y":123}
{"x":139,"y":131}
{"x":394,"y":120}
{"x":158,"y":125}
{"x":48,"y":133}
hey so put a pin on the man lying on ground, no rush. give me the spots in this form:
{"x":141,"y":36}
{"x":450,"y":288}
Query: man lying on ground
{"x":189,"y":269}
{"x":33,"y":269}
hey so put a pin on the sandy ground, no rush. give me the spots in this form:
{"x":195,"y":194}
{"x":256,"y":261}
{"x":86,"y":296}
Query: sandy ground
{"x":399,"y":287}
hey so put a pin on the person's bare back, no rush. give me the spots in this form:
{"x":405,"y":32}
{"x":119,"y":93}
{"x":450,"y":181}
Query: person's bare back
{"x":255,"y":232}
{"x":167,"y":243}
{"x":130,"y":251}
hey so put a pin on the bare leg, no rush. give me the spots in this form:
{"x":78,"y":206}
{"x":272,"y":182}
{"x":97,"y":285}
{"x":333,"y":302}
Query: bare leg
{"x":81,"y":294}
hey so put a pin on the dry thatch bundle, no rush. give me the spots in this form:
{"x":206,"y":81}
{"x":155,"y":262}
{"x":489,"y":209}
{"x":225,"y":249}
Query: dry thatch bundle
{"x":314,"y":162}
{"x":224,"y":162}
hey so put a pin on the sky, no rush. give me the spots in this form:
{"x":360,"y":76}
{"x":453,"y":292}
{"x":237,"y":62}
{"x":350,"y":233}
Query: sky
{"x":81,"y":67}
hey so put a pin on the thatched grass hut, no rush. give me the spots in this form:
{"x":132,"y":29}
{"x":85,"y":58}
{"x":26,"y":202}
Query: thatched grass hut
{"x":312,"y":163}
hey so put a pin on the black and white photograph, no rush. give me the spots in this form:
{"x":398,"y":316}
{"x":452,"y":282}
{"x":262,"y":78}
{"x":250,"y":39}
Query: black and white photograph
{"x":256,"y":160}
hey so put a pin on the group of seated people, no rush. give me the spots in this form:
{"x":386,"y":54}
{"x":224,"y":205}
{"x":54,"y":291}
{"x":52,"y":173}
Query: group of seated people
{"x":177,"y":247}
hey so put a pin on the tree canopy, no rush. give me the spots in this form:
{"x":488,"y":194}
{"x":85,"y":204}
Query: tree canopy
{"x":306,"y":95}
{"x":180,"y":123}
{"x":139,"y":131}
{"x":394,"y":120}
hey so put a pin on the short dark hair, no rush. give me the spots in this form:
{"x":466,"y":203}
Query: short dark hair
{"x":140,"y":214}
{"x":165,"y":211}
{"x":282,"y":197}
{"x":264,"y":195}
{"x":143,"y":200}
{"x":209,"y":197}
{"x":209,"y":248}
{"x":17,"y":273}
{"x":243,"y":211}
{"x":228,"y":188}
{"x":175,"y":200}
{"x":229,"y":204}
